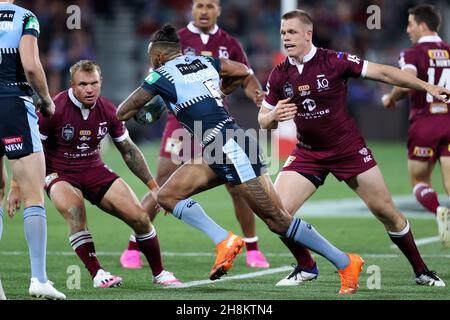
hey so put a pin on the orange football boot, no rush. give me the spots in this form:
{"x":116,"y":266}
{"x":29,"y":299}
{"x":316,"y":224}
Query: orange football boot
{"x":350,"y":275}
{"x":227,"y":250}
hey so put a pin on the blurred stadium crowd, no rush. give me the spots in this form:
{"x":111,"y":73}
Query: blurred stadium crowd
{"x":340,"y":25}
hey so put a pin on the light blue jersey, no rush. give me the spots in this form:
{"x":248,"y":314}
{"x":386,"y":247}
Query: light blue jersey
{"x":15,"y":22}
{"x":190,"y":85}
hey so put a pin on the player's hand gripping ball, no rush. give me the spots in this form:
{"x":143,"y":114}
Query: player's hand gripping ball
{"x":151,"y":111}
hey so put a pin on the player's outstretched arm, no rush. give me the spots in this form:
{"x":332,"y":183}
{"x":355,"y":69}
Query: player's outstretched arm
{"x":29,"y":55}
{"x":135,"y":101}
{"x":235,"y":74}
{"x":397,"y":77}
{"x":397,"y":93}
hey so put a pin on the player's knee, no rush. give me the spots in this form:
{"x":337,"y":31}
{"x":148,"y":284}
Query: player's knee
{"x":382,"y":207}
{"x":140,"y":223}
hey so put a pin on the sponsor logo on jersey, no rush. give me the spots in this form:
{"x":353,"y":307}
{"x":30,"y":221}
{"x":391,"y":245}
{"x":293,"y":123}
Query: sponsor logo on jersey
{"x":7,"y":15}
{"x":189,"y":51}
{"x":83,"y":146}
{"x":309,"y":104}
{"x":192,"y":67}
{"x":436,"y":54}
{"x":223,"y":53}
{"x":32,"y":24}
{"x":304,"y":90}
{"x":288,"y":90}
{"x":102,"y":131}
{"x":67,"y":132}
{"x":438,"y":108}
{"x":6,"y":20}
{"x":13,"y":144}
{"x":423,"y":152}
{"x":85,"y":132}
{"x":304,"y":87}
{"x":152,"y":78}
{"x":206,"y":53}
{"x":85,"y":138}
{"x":322,"y":83}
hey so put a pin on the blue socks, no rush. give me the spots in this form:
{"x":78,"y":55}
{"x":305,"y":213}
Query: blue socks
{"x":192,"y":213}
{"x":35,"y":225}
{"x":1,"y":222}
{"x":305,"y":234}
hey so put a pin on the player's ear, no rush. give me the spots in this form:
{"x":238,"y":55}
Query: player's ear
{"x":219,"y":9}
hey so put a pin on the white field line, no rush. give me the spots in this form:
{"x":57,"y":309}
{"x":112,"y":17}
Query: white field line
{"x":423,"y":241}
{"x":239,"y":276}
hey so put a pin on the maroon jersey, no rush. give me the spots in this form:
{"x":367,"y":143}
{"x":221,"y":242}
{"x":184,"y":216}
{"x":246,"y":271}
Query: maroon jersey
{"x":430,"y":57}
{"x":217,"y":44}
{"x":72,"y":136}
{"x":318,"y":87}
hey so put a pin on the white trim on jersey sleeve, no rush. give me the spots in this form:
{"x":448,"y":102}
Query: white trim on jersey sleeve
{"x":409,"y":66}
{"x":43,"y":138}
{"x":122,"y":137}
{"x":364,"y":69}
{"x":267,"y":105}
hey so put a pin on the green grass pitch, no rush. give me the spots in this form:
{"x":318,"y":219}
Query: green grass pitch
{"x":356,"y":234}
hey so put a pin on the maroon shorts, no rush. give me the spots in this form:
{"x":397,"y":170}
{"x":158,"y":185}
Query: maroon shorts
{"x":92,"y":182}
{"x":344,"y":161}
{"x":176,"y":143}
{"x":429,"y":138}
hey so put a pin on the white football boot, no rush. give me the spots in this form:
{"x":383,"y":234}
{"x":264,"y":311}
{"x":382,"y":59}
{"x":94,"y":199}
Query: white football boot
{"x":44,"y":290}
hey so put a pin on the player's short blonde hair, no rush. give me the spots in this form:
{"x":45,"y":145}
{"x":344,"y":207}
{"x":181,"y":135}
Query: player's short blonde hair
{"x":302,"y":15}
{"x":86,"y":66}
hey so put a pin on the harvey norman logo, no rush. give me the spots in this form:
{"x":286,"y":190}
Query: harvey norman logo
{"x":13,"y":144}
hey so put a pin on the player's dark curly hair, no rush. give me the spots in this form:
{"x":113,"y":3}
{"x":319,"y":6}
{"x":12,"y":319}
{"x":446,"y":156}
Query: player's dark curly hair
{"x":166,"y":33}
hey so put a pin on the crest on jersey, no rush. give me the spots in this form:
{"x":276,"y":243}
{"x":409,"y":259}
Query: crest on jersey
{"x":189,"y":51}
{"x":67,"y":132}
{"x":288,"y":90}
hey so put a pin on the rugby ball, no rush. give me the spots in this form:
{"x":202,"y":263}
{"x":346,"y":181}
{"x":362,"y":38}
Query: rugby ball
{"x":151,"y":111}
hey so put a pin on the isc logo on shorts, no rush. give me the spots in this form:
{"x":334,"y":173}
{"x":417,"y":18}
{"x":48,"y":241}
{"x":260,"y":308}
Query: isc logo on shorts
{"x":423,"y":152}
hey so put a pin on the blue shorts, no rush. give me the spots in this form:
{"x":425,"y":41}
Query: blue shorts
{"x":239,"y":160}
{"x":19,"y":133}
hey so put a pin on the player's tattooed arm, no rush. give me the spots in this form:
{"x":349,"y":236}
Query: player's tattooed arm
{"x":134,"y":159}
{"x":128,"y":108}
{"x":234,"y":74}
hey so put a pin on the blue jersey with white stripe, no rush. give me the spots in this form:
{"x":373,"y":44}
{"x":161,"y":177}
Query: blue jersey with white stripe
{"x":190,"y":85}
{"x":15,"y":22}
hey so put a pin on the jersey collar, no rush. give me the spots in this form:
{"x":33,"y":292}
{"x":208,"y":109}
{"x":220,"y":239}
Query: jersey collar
{"x":306,"y":58}
{"x":76,"y":102}
{"x":192,"y":28}
{"x":430,"y":39}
